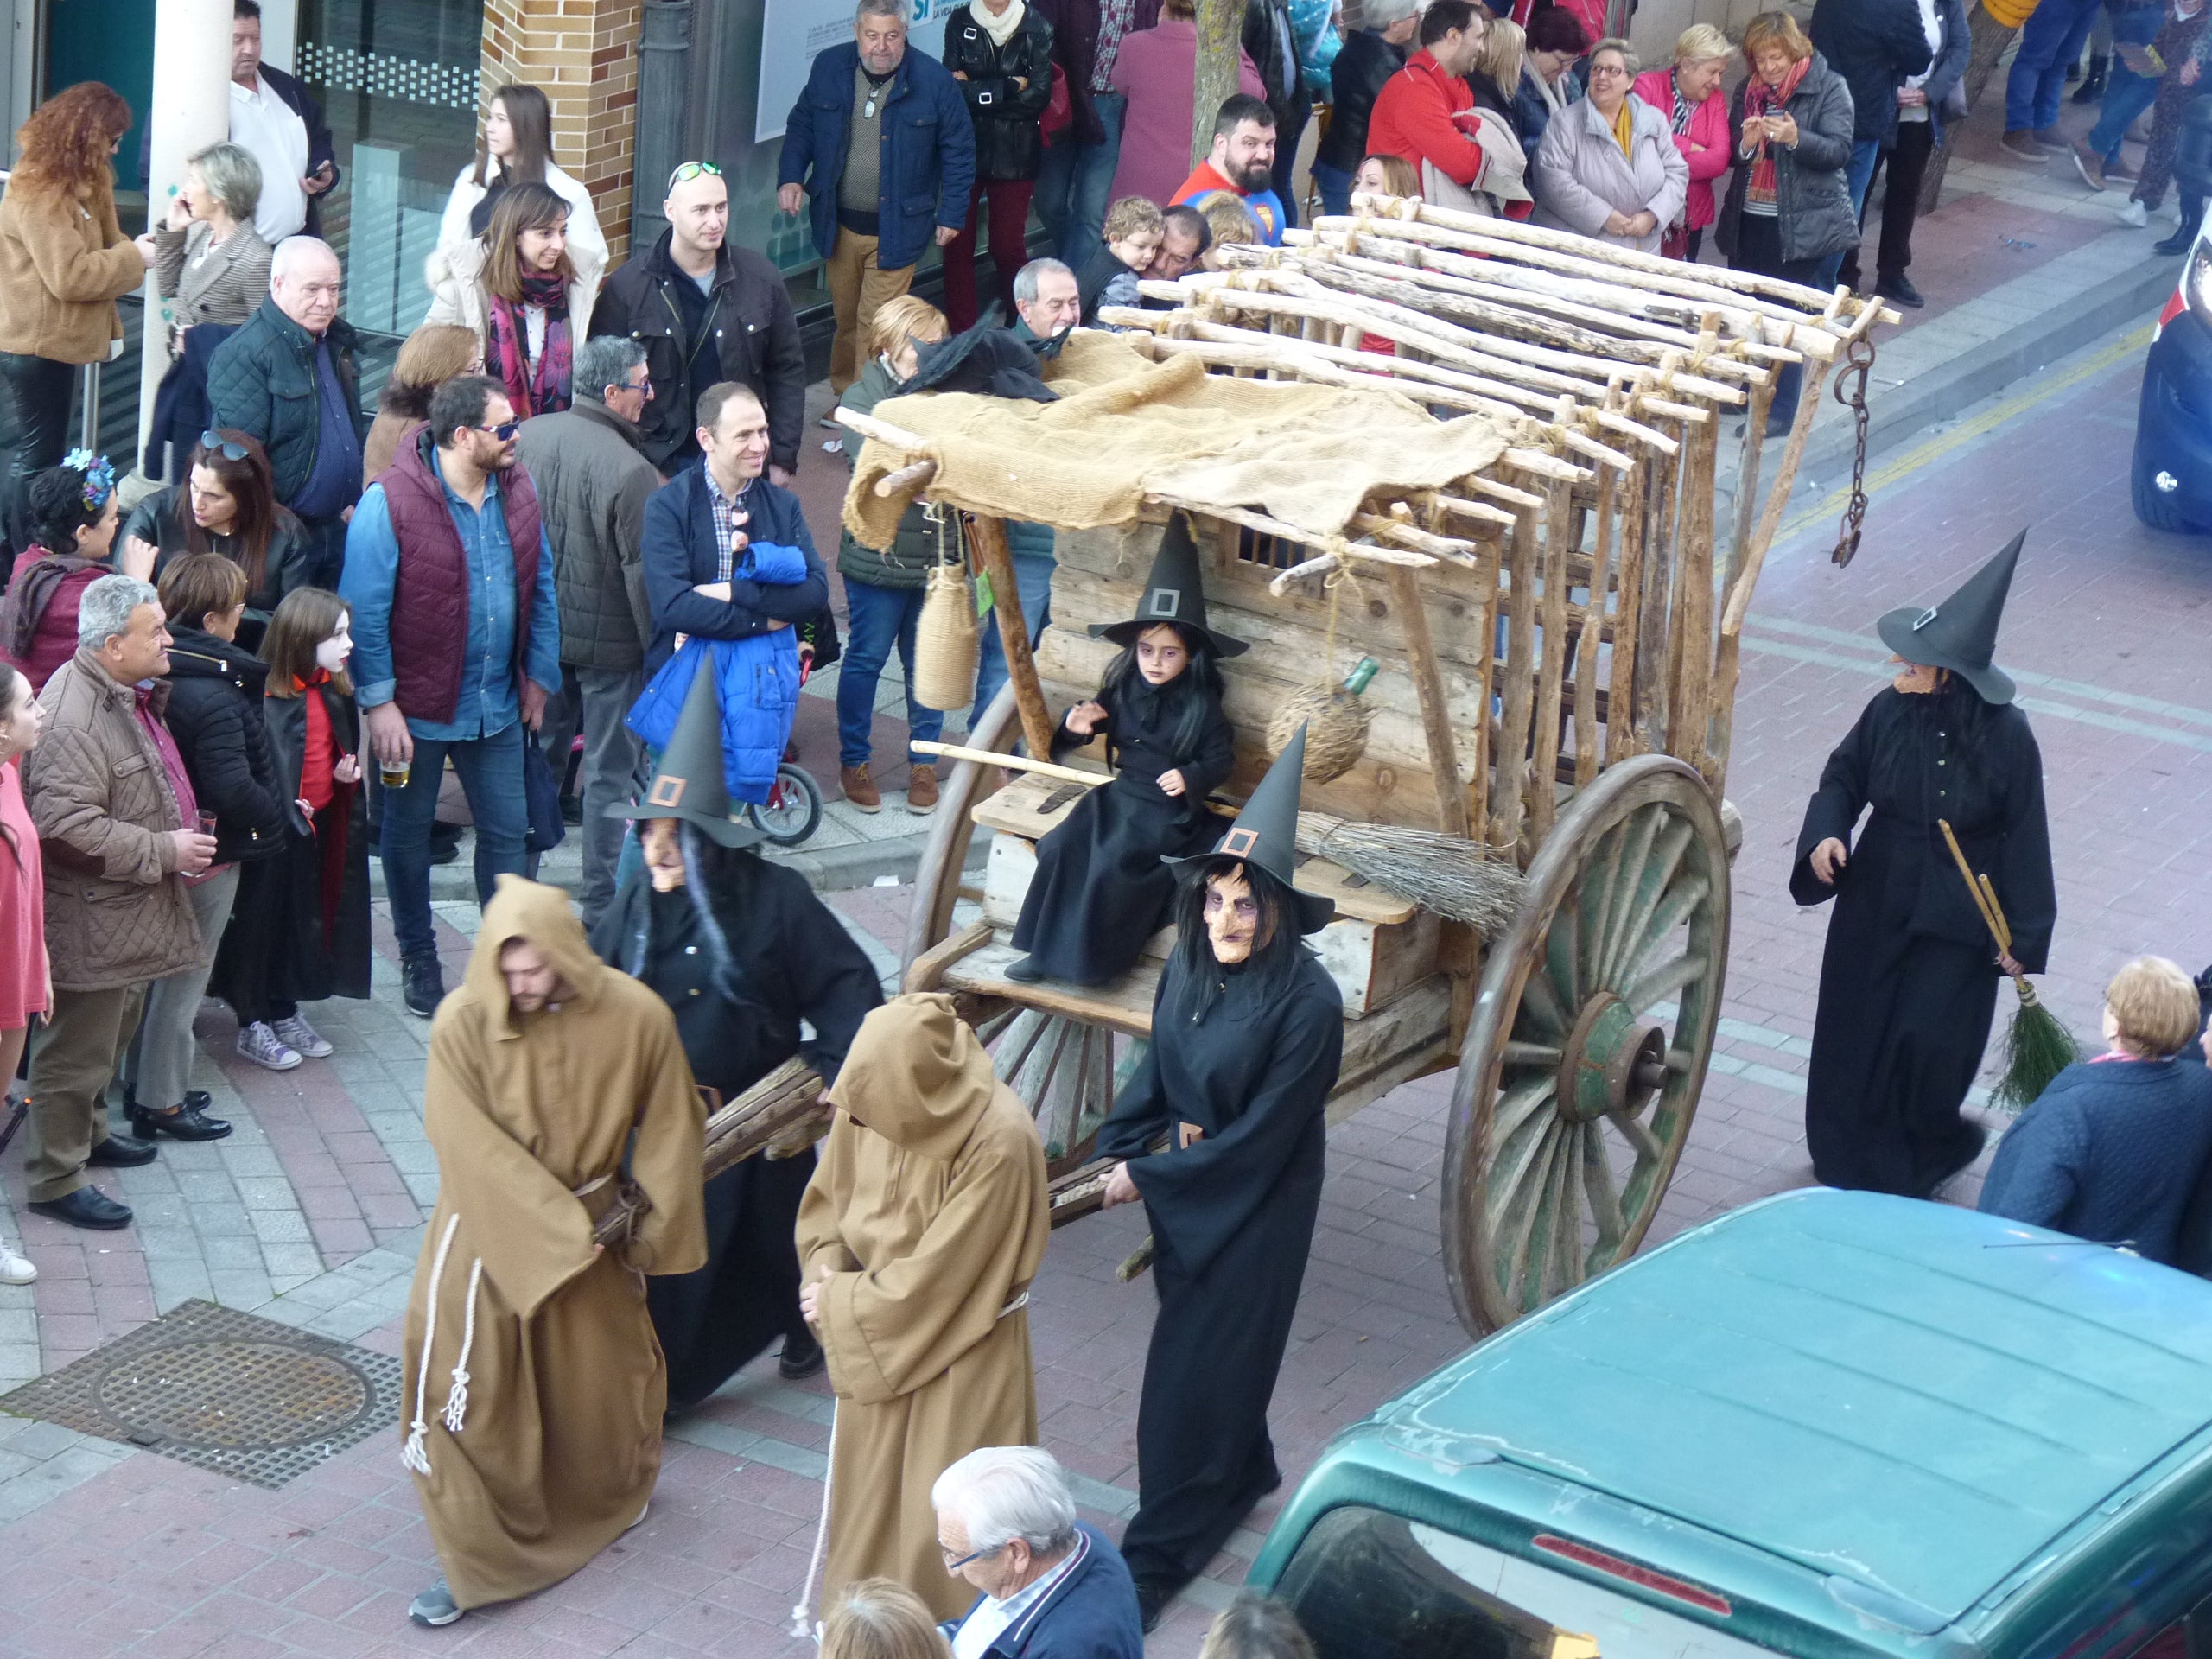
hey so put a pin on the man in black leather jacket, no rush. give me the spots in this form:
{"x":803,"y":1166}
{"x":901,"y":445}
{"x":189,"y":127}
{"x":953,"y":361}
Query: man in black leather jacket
{"x":706,"y":312}
{"x":1272,"y":44}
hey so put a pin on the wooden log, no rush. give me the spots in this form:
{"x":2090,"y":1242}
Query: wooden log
{"x":1552,"y":673}
{"x":1621,"y":714}
{"x":926,"y":972}
{"x":1692,"y":704}
{"x":1537,"y":464}
{"x":1586,"y":671}
{"x":1435,"y":717}
{"x":987,"y":536}
{"x":788,"y":1098}
{"x":1236,"y":353}
{"x":1447,"y":549}
{"x":1479,"y":795}
{"x":913,"y":476}
{"x":1511,"y":772}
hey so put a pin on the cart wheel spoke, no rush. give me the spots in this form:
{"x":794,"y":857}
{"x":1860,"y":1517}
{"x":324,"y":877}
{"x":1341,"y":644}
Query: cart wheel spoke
{"x":1063,"y":1070}
{"x":1682,"y":900}
{"x":1622,"y":878}
{"x":1650,"y":888}
{"x":1640,"y":1137}
{"x":1663,"y":982}
{"x":1604,"y":1197}
{"x":1566,"y":1214}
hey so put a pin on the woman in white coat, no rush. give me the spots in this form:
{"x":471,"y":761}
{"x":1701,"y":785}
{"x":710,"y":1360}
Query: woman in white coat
{"x":1608,"y":167}
{"x":518,"y":148}
{"x":521,"y":289}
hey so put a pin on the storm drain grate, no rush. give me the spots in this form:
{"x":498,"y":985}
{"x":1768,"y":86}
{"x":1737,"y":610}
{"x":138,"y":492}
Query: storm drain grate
{"x":231,"y":1392}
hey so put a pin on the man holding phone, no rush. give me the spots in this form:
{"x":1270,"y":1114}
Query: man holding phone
{"x":273,"y":115}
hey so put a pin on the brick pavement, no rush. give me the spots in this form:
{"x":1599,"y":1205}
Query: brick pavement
{"x":311,"y":1214}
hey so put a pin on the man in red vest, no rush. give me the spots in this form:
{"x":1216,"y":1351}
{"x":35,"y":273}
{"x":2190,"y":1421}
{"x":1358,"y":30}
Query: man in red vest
{"x":456,"y":640}
{"x":1413,"y":112}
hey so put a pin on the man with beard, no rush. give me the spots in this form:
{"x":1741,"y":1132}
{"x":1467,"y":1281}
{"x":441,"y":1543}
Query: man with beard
{"x":1246,"y":1036}
{"x":741,"y":951}
{"x":1241,"y":164}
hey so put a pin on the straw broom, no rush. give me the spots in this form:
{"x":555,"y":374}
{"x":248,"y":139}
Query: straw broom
{"x":1455,"y":877}
{"x":2038,"y":1046}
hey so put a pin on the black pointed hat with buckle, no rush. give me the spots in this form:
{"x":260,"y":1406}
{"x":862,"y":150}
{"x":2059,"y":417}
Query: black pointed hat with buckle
{"x":1961,"y":632}
{"x":1173,"y":594}
{"x":689,"y":782}
{"x":1265,"y":835}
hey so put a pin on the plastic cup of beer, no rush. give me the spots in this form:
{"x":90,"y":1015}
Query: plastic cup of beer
{"x":393,"y":774}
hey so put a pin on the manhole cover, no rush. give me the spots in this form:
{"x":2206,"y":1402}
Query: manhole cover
{"x":228,"y":1391}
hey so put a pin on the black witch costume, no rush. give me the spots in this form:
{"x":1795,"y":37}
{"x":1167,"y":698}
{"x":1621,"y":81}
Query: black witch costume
{"x":1909,"y":981}
{"x":1241,"y":1062}
{"x":741,"y":953}
{"x":1100,"y":890}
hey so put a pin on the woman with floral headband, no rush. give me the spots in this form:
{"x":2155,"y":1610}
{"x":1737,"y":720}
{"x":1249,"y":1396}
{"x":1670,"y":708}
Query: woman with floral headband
{"x":69,"y":516}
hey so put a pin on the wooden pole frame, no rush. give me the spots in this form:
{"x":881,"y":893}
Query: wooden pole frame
{"x":987,"y":536}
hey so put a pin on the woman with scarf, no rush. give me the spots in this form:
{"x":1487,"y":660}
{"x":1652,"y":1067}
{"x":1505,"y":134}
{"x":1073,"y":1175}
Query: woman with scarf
{"x":1221,"y":1135}
{"x":1688,"y":94}
{"x":300,"y":930}
{"x":226,"y":504}
{"x":1789,"y":204}
{"x":1608,"y":167}
{"x":741,"y":951}
{"x":1909,"y":981}
{"x":526,"y":298}
{"x":69,"y":515}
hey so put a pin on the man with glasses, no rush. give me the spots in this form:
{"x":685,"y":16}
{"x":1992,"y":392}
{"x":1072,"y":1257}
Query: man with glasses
{"x":593,"y":481}
{"x":456,"y":644}
{"x":881,"y":143}
{"x":704,"y":312}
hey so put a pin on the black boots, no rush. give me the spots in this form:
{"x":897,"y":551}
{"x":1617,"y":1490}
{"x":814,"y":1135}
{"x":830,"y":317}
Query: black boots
{"x":2092,"y":84}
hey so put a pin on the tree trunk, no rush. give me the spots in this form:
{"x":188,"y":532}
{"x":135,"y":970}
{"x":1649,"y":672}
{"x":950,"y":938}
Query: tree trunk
{"x":1221,"y":29}
{"x":1991,"y":40}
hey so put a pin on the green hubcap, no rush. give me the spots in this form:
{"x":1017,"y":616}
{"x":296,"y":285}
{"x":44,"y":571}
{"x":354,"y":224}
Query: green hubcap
{"x":1612,"y":1061}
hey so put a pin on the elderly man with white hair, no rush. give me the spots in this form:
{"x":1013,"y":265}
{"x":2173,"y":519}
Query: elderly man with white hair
{"x":287,"y":376}
{"x":1052,"y":1587}
{"x":119,"y":828}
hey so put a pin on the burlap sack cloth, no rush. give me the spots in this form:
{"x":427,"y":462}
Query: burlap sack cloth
{"x":1126,"y":427}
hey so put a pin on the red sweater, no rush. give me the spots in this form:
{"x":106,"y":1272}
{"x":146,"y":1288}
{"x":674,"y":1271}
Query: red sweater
{"x":1413,"y":119}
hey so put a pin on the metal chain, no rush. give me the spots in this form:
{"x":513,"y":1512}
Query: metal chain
{"x":1851,"y":391}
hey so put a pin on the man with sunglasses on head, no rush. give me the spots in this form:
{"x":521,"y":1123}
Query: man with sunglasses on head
{"x":456,"y":643}
{"x":706,"y":312}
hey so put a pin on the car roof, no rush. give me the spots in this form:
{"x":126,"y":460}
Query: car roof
{"x":1908,"y":1395}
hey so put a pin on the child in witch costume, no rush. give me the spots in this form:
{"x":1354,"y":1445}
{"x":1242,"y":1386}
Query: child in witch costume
{"x":741,"y":951}
{"x":1247,"y":1037}
{"x":1909,"y":981}
{"x":1101,"y":890}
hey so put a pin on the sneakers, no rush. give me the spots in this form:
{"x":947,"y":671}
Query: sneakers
{"x":2090,"y":165}
{"x":921,"y":788}
{"x":16,"y":1269}
{"x":2021,"y":146}
{"x":305,"y":1038}
{"x":435,"y":1607}
{"x":2133,"y":213}
{"x":860,"y":789}
{"x":2051,"y":138}
{"x":422,"y":986}
{"x":2119,"y":171}
{"x":259,"y":1043}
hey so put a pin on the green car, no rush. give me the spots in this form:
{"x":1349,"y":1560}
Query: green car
{"x":1829,"y":1424}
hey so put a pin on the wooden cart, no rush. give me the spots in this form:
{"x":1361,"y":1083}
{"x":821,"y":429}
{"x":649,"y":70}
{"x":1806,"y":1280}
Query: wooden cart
{"x":1556,"y":627}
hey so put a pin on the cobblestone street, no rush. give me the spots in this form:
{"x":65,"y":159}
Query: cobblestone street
{"x":311,"y":1213}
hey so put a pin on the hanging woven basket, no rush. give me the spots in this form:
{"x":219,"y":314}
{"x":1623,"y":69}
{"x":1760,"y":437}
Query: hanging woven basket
{"x":947,"y":638}
{"x":1336,"y":723}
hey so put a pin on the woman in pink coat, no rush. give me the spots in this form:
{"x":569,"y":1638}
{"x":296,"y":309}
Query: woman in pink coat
{"x":1157,"y":72}
{"x":26,"y":989}
{"x":1689,"y":96}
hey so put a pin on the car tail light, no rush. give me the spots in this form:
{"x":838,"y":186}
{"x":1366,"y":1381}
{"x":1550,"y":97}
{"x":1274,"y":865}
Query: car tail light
{"x":2196,"y":279}
{"x":1681,"y":1590}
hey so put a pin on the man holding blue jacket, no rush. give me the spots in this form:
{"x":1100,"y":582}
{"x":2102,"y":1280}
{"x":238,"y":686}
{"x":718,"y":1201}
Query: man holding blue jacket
{"x":880,"y":139}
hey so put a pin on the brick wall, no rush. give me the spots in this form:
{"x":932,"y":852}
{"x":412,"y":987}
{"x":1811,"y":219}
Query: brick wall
{"x":584,"y":55}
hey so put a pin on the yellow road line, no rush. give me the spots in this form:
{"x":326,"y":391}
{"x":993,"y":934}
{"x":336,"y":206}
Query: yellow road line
{"x":1903,"y":466}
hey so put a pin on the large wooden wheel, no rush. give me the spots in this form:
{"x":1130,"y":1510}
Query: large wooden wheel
{"x":944,"y":858}
{"x":1589,"y":1042}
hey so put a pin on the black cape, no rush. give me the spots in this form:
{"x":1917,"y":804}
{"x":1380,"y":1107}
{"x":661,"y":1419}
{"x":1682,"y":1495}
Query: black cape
{"x":1908,"y":980}
{"x":791,"y":960}
{"x":1232,"y":1220}
{"x":1100,"y":890}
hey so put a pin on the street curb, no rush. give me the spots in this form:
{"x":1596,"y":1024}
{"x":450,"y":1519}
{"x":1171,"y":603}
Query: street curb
{"x":828,"y":869}
{"x":2130,"y":296}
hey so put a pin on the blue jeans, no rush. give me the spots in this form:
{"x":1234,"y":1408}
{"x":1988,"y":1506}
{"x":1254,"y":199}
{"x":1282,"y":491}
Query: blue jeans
{"x":490,"y":769}
{"x":877,"y":619}
{"x":2126,"y":93}
{"x":1859,"y":173}
{"x":1075,"y":181}
{"x":1335,"y":186}
{"x":2051,"y":39}
{"x":1032,"y":580}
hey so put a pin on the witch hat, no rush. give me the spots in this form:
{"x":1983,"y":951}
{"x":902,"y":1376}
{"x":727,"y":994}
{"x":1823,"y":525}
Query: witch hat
{"x":1265,"y":835}
{"x":689,"y":782}
{"x":1960,"y":633}
{"x":1173,"y":592}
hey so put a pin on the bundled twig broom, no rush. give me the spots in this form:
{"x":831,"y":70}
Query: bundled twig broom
{"x":2037,"y":1045}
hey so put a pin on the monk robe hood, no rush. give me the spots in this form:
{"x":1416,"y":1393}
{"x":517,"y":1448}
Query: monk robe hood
{"x":916,"y":1075}
{"x":539,"y":914}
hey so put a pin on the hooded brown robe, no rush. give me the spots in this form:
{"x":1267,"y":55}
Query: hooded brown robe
{"x":928,"y":1211}
{"x":534,"y":1428}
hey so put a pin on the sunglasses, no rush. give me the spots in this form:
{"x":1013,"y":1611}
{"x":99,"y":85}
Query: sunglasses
{"x":689,"y":170}
{"x":212,"y":442}
{"x":504,"y":432}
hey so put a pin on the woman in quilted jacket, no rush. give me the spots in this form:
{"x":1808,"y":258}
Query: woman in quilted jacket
{"x":1001,"y":56}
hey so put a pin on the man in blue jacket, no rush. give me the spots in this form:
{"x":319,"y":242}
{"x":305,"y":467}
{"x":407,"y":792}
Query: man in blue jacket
{"x":882,"y":140}
{"x":698,"y":526}
{"x":1052,"y":1588}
